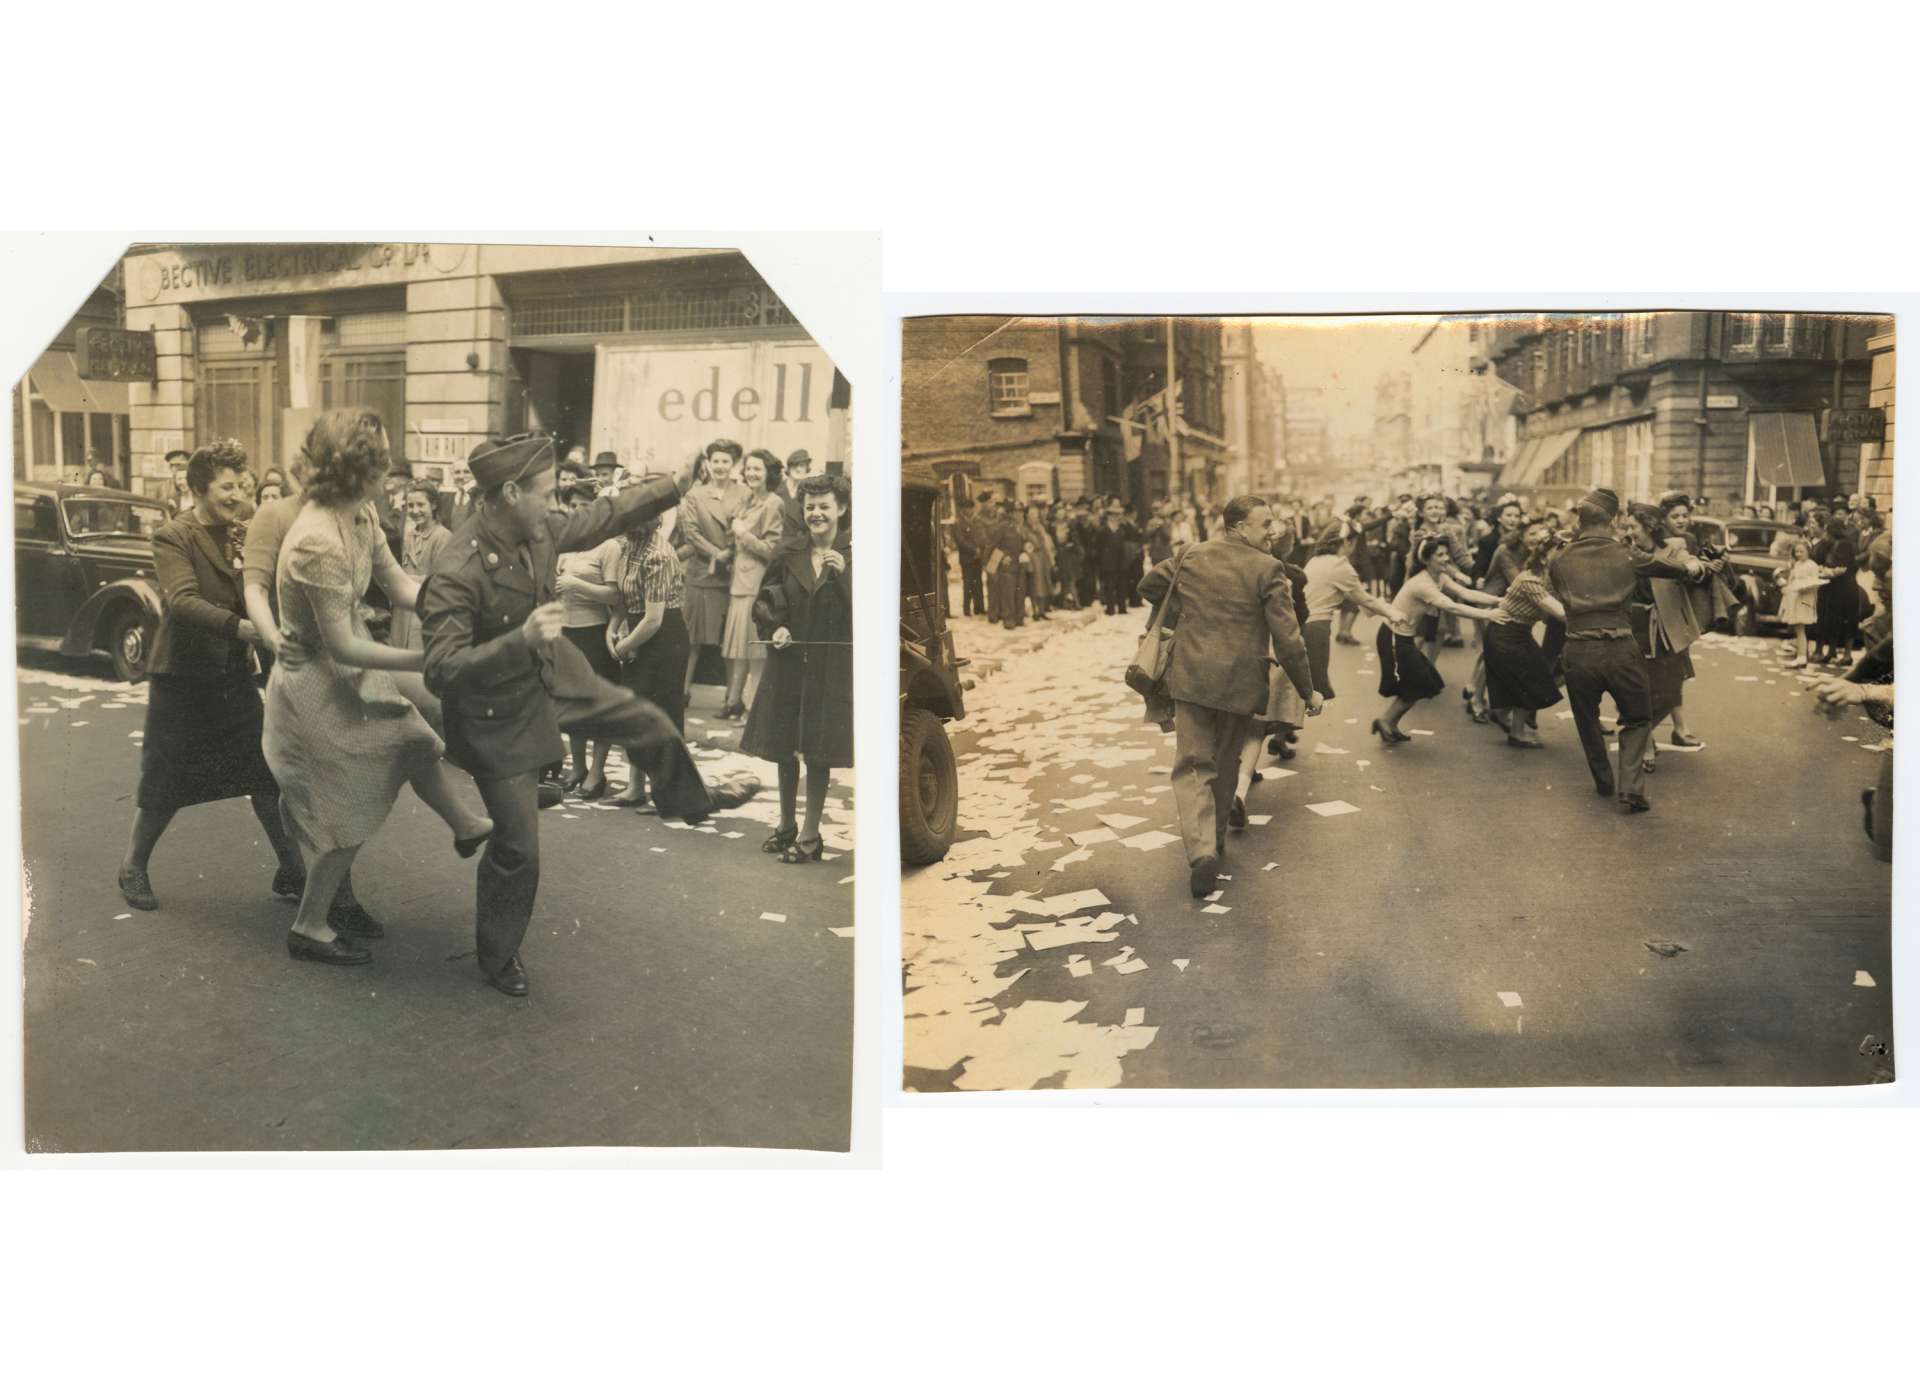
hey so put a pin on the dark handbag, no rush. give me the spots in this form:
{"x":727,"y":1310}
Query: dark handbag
{"x":1148,"y":672}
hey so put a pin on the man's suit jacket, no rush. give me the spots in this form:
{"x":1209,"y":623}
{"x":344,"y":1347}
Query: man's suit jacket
{"x":1233,"y":599}
{"x":497,"y":690}
{"x":199,"y":635}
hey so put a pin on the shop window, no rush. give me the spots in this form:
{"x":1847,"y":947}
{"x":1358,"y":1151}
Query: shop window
{"x":370,"y":330}
{"x":377,"y":382}
{"x":45,"y":454}
{"x":1007,"y":388}
{"x":701,"y":308}
{"x":73,"y":439}
{"x":234,"y":401}
{"x":1773,"y":333}
{"x":100,"y":439}
{"x":572,"y":315}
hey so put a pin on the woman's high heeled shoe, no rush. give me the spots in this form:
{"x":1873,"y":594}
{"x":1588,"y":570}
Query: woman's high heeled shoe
{"x":1388,"y":736}
{"x":783,"y":837}
{"x":592,"y":793}
{"x":800,"y":852}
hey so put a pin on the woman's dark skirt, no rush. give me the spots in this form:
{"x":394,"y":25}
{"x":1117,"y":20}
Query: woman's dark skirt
{"x":592,"y":642}
{"x":1519,"y":673}
{"x":1837,"y":608}
{"x":804,"y":707}
{"x":1319,"y":639}
{"x":1405,"y":672}
{"x":658,"y":670}
{"x":202,"y":743}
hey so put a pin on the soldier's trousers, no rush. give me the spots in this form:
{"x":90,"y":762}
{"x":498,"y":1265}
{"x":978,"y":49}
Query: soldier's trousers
{"x":585,"y":704}
{"x":1610,"y":666}
{"x":973,"y":598}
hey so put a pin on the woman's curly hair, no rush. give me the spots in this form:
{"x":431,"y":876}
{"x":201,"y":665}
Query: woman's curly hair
{"x":207,"y":462}
{"x":345,"y":451}
{"x":820,"y":484}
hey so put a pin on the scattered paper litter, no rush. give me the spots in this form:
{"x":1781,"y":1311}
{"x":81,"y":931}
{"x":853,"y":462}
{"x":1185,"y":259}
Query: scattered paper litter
{"x":1363,"y":763}
{"x":846,"y":932}
{"x":1081,"y":968}
{"x":1150,"y":840}
{"x":118,"y":917}
{"x":1329,"y":749}
{"x":1120,"y":822}
{"x":1124,"y":955}
{"x":1278,"y":772}
{"x":774,"y":918}
{"x":1079,"y":899}
{"x":1863,"y":979}
{"x":1136,"y":1016}
{"x":1331,"y":809}
{"x":1181,"y":963}
{"x":1130,"y":967}
{"x":1746,"y":678}
{"x":1510,"y":999}
{"x":1160,"y":772}
{"x":1218,"y":909}
{"x":1093,"y":836}
{"x":1423,"y":733}
{"x":1271,"y":865}
{"x":1074,"y":858}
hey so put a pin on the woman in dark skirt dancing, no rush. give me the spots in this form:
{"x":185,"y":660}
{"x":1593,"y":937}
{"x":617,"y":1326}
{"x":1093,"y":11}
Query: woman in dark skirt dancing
{"x":804,"y":709}
{"x":204,"y":716}
{"x":1407,"y":651}
{"x":1519,"y":672}
{"x":648,"y":635}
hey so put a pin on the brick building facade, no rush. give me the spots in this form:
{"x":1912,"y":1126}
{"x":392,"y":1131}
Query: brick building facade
{"x":1725,"y":405}
{"x":1033,"y":407}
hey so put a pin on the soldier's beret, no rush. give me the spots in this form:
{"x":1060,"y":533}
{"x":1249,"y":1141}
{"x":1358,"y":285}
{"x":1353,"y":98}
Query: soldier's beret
{"x":1605,"y":499}
{"x":500,"y":460}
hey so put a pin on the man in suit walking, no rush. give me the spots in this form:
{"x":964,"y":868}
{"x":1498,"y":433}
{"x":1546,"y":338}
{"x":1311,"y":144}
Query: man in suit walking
{"x":1233,"y":599}
{"x":1594,"y":578}
{"x":1005,"y":551}
{"x":509,"y":682}
{"x":966,"y":540}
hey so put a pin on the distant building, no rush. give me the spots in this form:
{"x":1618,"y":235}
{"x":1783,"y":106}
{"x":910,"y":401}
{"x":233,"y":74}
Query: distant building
{"x":1460,"y":424}
{"x":1731,"y":406}
{"x":63,"y":424}
{"x":1254,"y":407}
{"x":1876,"y":458}
{"x":1053,"y":408}
{"x":1309,"y":456}
{"x":1393,"y":424}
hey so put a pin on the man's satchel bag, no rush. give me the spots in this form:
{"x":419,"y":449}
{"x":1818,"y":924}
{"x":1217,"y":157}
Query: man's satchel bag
{"x":1148,"y":673}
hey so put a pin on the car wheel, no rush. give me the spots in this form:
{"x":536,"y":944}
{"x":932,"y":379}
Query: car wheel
{"x":929,"y":788}
{"x":129,"y":639}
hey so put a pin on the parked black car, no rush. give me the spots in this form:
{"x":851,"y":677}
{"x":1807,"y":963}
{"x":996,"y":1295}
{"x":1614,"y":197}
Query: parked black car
{"x":83,"y":572}
{"x":1748,"y":544}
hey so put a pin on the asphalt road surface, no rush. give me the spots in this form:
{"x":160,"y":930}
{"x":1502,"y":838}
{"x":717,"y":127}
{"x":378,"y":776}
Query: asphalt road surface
{"x":667,"y":1007}
{"x":1481,"y":918}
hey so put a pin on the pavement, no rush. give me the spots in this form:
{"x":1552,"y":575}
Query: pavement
{"x":1456,"y":914}
{"x":687,"y":989}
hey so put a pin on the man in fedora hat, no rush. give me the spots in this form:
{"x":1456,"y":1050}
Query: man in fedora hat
{"x":510,"y":683}
{"x":1594,"y":578}
{"x":605,"y":464}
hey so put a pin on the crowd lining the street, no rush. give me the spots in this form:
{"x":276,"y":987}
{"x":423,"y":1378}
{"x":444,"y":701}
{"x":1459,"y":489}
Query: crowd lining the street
{"x":332,"y":635}
{"x":1591,"y":601}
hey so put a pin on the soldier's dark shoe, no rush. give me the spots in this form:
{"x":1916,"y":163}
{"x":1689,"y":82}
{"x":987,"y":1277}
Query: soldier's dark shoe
{"x":350,"y":916}
{"x":1631,"y":804}
{"x":1604,"y":789}
{"x":551,"y":795}
{"x":289,"y":885}
{"x":1237,"y":814}
{"x":511,"y":979}
{"x":136,"y":889}
{"x":338,"y":952}
{"x":732,"y":792}
{"x":1203,"y":876}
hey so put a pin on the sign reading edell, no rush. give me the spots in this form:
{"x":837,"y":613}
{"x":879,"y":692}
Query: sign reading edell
{"x":658,"y":407}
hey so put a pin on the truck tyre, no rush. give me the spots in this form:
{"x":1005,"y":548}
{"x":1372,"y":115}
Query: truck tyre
{"x":129,"y":641}
{"x":929,"y":788}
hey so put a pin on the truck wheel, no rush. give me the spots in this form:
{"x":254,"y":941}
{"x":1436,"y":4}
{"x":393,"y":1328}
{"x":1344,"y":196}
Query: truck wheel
{"x":929,"y":788}
{"x":129,"y":638}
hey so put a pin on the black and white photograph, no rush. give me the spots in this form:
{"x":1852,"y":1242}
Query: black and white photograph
{"x":435,"y":704}
{"x":1397,"y":701}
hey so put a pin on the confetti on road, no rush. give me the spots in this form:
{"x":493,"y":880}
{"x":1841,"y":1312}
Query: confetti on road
{"x":1120,"y":822}
{"x":1278,"y":772}
{"x":1271,"y":865}
{"x":1863,"y":979}
{"x":1218,"y":909}
{"x":1073,"y":858}
{"x":1150,"y":840}
{"x":1128,"y":968}
{"x":1079,"y":966}
{"x":1329,"y":749}
{"x":774,"y":918}
{"x":118,"y":917}
{"x":1423,"y":733}
{"x":1510,"y":999}
{"x":1331,"y":809}
{"x":1136,"y":1016}
{"x":1260,"y":819}
{"x":1093,"y":836}
{"x":1181,"y":963}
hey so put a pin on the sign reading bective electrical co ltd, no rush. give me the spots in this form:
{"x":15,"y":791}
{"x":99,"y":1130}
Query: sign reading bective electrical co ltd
{"x":230,"y":270}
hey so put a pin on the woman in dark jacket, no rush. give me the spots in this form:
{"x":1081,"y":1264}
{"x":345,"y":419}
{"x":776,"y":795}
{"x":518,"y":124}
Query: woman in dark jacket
{"x":1837,"y":619}
{"x":804,"y":709}
{"x":204,"y":716}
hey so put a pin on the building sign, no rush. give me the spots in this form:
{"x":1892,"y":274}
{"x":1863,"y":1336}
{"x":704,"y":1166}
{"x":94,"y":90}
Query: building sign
{"x":656,"y":407}
{"x":1723,"y":401}
{"x":1846,"y":425}
{"x":218,"y":270}
{"x":435,"y":444}
{"x":106,"y":352}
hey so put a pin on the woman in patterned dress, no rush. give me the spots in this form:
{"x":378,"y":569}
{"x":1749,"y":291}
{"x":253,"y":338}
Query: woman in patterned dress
{"x":340,"y":738}
{"x":756,"y":539}
{"x":648,"y":633}
{"x":1519,"y":672}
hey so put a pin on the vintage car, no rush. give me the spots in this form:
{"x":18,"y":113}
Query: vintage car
{"x":1749,"y":544}
{"x":930,"y":688}
{"x":83,"y":572}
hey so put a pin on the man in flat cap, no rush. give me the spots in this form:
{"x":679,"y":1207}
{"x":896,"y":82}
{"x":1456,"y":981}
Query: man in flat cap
{"x":510,"y":683}
{"x":1594,"y":578}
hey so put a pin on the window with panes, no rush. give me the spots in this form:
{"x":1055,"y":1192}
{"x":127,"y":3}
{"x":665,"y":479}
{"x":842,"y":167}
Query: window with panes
{"x":363,"y":364}
{"x":1007,"y":386}
{"x":233,"y":392}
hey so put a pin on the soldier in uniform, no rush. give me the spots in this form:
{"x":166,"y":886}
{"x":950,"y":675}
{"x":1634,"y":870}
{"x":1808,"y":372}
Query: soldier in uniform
{"x":509,"y":682}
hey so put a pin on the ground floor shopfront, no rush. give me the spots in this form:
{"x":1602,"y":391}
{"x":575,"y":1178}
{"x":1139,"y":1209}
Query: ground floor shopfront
{"x":645,"y":353}
{"x":1732,"y":438}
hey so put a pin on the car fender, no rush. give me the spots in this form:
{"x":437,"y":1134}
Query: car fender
{"x":927,"y":687}
{"x":83,"y":638}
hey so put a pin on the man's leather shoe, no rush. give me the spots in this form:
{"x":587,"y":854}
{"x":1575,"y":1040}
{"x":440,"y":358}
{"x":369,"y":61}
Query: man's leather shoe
{"x":352,"y":917}
{"x":337,"y":952}
{"x":1631,"y":803}
{"x":136,"y":889}
{"x":511,"y":979}
{"x":1203,"y":876}
{"x":732,"y":792}
{"x":551,"y":796}
{"x":289,"y":885}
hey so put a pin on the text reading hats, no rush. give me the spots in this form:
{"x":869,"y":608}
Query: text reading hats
{"x":1601,"y":498}
{"x":500,"y":460}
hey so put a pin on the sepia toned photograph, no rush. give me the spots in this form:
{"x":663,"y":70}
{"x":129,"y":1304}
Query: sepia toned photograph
{"x":435,"y":704}
{"x":1397,"y":701}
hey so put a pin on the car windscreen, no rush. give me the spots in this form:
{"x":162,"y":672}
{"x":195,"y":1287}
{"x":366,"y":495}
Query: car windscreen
{"x":99,"y":515}
{"x":1752,"y":539}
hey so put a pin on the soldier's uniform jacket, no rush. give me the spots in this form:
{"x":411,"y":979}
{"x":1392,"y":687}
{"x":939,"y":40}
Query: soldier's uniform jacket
{"x":498,"y":693}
